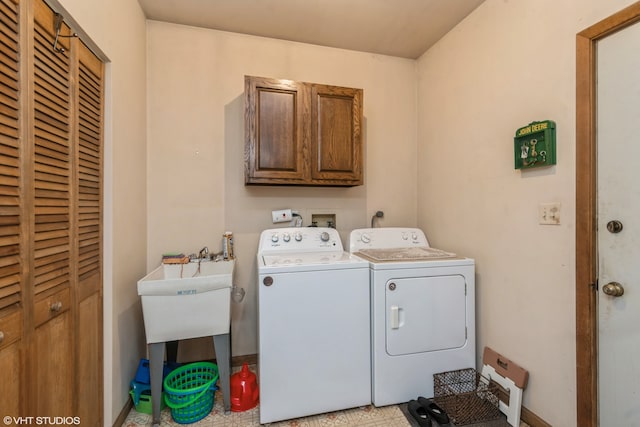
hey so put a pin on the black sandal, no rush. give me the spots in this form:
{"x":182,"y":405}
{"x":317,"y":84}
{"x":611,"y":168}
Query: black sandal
{"x":434,"y":411}
{"x":419,"y":413}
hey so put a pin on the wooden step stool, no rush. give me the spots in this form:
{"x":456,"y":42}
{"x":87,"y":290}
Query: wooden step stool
{"x":509,"y":376}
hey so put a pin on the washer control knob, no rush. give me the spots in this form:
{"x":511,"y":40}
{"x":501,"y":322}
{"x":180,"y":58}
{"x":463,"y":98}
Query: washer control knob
{"x":298,"y":237}
{"x":365,"y":238}
{"x":404,"y":236}
{"x":324,"y":236}
{"x":286,"y":237}
{"x":414,"y":236}
{"x":274,"y":238}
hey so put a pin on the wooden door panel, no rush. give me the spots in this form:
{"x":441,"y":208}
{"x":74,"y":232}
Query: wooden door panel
{"x":89,"y":366}
{"x":11,"y":368}
{"x":53,"y":355}
{"x":336,"y":135}
{"x":275,"y":135}
{"x":88,"y":230}
{"x":277,"y":145}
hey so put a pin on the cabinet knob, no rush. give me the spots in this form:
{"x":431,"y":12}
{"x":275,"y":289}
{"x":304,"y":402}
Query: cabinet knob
{"x":1,"y":337}
{"x":55,"y":307}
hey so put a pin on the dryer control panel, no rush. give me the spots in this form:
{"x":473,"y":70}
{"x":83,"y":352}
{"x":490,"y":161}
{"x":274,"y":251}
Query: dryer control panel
{"x":387,"y":237}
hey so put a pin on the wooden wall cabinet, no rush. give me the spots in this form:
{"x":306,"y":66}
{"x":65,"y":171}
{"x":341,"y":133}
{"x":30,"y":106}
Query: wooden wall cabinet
{"x":299,"y":133}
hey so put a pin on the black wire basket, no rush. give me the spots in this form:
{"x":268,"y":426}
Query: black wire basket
{"x":466,"y":396}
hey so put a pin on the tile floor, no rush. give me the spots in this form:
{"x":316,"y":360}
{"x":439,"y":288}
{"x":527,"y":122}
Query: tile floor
{"x":367,"y":416}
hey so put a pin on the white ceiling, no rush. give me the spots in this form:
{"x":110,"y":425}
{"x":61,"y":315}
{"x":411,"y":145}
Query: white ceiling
{"x":404,"y":28}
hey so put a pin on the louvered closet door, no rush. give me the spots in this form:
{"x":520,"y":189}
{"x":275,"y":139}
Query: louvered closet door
{"x":51,"y":108}
{"x":88,"y":182}
{"x":52,"y":255}
{"x":11,"y":292}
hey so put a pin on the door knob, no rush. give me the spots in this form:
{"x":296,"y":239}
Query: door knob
{"x":613,"y":289}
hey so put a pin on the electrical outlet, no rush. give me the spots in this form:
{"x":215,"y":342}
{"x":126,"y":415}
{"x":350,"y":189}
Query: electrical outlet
{"x":549,"y":213}
{"x":283,"y":215}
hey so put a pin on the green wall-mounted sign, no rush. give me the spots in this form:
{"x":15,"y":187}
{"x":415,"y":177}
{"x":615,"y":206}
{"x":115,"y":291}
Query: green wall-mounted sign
{"x":535,"y":145}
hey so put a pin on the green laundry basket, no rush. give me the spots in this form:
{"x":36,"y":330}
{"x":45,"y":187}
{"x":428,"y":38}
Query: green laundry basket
{"x":189,"y":391}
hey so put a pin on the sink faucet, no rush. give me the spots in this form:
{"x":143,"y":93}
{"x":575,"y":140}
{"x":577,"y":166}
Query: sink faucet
{"x":204,"y":253}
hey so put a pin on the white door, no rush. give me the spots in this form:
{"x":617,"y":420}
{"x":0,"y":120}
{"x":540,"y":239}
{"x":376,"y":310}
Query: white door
{"x":618,"y":141}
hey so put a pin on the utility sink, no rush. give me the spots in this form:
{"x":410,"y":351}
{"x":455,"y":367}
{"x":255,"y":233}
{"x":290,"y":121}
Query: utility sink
{"x":181,"y":301}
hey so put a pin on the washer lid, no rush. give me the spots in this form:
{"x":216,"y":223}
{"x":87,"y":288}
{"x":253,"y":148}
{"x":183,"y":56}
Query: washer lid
{"x":309,"y":261}
{"x":420,"y":253}
{"x":308,"y":258}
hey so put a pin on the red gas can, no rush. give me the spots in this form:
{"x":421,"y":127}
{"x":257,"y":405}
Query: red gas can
{"x":244,"y":390}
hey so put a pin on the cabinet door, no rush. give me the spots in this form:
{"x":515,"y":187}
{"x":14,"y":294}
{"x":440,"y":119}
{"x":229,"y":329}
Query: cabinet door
{"x":276,"y":138}
{"x":336,"y":143}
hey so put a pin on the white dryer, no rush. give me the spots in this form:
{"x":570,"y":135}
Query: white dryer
{"x":422,"y":311}
{"x":314,"y":352}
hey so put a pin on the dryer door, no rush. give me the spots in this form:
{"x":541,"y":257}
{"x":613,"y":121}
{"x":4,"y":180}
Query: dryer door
{"x":425,"y":314}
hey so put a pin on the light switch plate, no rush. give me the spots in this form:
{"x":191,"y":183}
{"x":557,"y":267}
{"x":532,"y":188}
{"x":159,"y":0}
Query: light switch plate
{"x":549,"y":213}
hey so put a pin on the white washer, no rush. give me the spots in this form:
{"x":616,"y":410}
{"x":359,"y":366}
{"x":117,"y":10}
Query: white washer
{"x":422,"y":311}
{"x":313,"y":324}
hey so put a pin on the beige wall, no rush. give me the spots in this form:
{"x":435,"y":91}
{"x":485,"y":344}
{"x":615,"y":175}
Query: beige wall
{"x":195,"y":177}
{"x":118,"y":28}
{"x":509,"y":63}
